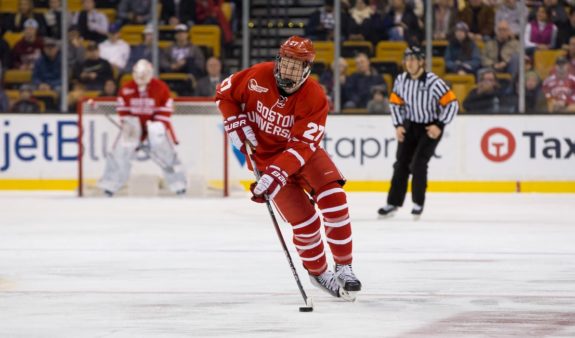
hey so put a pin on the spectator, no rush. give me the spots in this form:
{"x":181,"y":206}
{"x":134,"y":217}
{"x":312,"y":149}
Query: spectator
{"x":534,"y":98}
{"x":93,"y":24}
{"x":209,"y":12}
{"x":77,"y":93}
{"x":4,"y":55}
{"x":47,"y":73}
{"x":26,"y":103}
{"x":560,"y":19}
{"x":115,"y":50}
{"x":182,"y":56}
{"x":359,"y":84}
{"x":327,"y":80}
{"x":29,"y":48}
{"x":175,"y":12}
{"x":53,"y":19}
{"x":322,"y":22}
{"x":401,"y":23}
{"x":487,"y":96}
{"x":502,"y":53}
{"x":137,"y":12}
{"x":510,"y":11}
{"x":570,"y":30}
{"x":559,"y":88}
{"x":444,"y":17}
{"x":571,"y":53}
{"x":76,"y":50}
{"x":540,"y":33}
{"x":110,"y":89}
{"x":360,"y":23}
{"x":94,"y":71}
{"x":16,"y":22}
{"x":143,"y":50}
{"x":379,"y":104}
{"x":462,"y":55}
{"x":4,"y":103}
{"x":206,"y":86}
{"x":480,"y":19}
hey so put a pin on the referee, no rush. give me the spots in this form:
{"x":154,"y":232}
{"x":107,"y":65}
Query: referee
{"x":421,"y":105}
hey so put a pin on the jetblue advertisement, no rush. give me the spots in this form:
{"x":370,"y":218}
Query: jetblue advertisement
{"x":44,"y":147}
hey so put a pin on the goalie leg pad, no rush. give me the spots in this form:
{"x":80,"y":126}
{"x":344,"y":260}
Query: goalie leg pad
{"x":163,"y":152}
{"x":119,"y":160}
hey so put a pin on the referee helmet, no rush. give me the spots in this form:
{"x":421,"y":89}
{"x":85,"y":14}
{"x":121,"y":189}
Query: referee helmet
{"x":414,"y":51}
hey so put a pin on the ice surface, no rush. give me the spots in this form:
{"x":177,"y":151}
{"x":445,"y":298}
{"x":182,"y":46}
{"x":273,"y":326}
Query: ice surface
{"x":475,"y":265}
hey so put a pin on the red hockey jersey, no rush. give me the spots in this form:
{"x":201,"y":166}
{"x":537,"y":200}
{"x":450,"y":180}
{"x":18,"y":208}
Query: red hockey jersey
{"x":154,"y":104}
{"x":288,"y":128}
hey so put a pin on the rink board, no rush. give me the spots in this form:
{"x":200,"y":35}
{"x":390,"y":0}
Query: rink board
{"x":477,"y":153}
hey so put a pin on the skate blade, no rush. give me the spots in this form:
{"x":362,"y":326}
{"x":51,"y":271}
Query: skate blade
{"x":416,"y":217}
{"x":349,"y":296}
{"x":389,"y":215}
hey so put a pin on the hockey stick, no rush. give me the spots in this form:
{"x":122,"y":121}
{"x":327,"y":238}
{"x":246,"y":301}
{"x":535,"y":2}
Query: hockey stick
{"x":306,"y":299}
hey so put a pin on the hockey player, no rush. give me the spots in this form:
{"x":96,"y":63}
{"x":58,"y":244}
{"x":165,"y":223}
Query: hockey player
{"x":282,"y":114}
{"x":144,"y":107}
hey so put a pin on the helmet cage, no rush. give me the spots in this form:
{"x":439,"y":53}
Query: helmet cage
{"x":289,"y":83}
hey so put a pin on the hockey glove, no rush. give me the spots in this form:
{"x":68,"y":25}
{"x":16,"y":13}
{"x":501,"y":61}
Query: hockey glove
{"x":239,"y":131}
{"x":270,"y":183}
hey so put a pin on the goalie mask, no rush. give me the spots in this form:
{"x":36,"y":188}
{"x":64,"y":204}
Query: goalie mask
{"x":142,"y":73}
{"x":293,"y":63}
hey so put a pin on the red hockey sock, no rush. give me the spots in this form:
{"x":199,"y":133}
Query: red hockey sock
{"x":309,"y":244}
{"x":332,"y":202}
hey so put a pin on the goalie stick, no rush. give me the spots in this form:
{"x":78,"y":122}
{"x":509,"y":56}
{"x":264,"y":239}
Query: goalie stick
{"x":308,"y":301}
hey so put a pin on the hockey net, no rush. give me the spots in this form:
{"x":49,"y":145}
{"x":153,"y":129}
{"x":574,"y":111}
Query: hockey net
{"x":212,"y":167}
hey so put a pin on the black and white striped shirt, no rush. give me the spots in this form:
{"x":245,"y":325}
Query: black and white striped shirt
{"x":426,"y":99}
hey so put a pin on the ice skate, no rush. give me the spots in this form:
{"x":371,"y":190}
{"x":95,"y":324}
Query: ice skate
{"x":387,"y":211}
{"x":347,"y":281}
{"x":417,"y":211}
{"x":327,"y":282}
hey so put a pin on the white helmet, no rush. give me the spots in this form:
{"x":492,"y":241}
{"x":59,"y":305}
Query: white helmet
{"x":142,"y":73}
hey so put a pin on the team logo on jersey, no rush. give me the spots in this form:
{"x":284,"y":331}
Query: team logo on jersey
{"x":282,"y":101}
{"x":128,"y":91}
{"x":253,"y":86}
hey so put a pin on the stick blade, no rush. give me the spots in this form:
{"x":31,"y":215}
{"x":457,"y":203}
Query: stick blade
{"x":308,"y":306}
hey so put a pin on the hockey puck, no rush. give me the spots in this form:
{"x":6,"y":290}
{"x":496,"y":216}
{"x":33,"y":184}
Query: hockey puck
{"x":305,"y":309}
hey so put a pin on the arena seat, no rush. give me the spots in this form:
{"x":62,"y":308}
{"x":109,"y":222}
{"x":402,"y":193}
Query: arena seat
{"x":390,"y":51}
{"x":181,"y":83}
{"x":351,"y":48}
{"x":438,"y":65}
{"x":544,"y":60}
{"x":12,"y":38}
{"x":207,"y":35}
{"x":13,"y":78}
{"x":461,"y":85}
{"x":324,"y":51}
{"x":9,"y":6}
{"x":48,"y":97}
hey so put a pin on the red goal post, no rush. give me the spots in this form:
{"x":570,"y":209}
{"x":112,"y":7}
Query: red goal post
{"x":203,"y":147}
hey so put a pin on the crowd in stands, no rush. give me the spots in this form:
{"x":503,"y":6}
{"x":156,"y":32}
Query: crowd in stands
{"x":99,"y":57}
{"x":473,"y":38}
{"x":475,"y":48}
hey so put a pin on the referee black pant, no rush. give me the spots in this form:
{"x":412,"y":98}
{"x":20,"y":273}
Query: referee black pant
{"x":412,"y":157}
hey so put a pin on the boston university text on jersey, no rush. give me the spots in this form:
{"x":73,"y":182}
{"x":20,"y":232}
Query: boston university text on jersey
{"x":270,"y":121}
